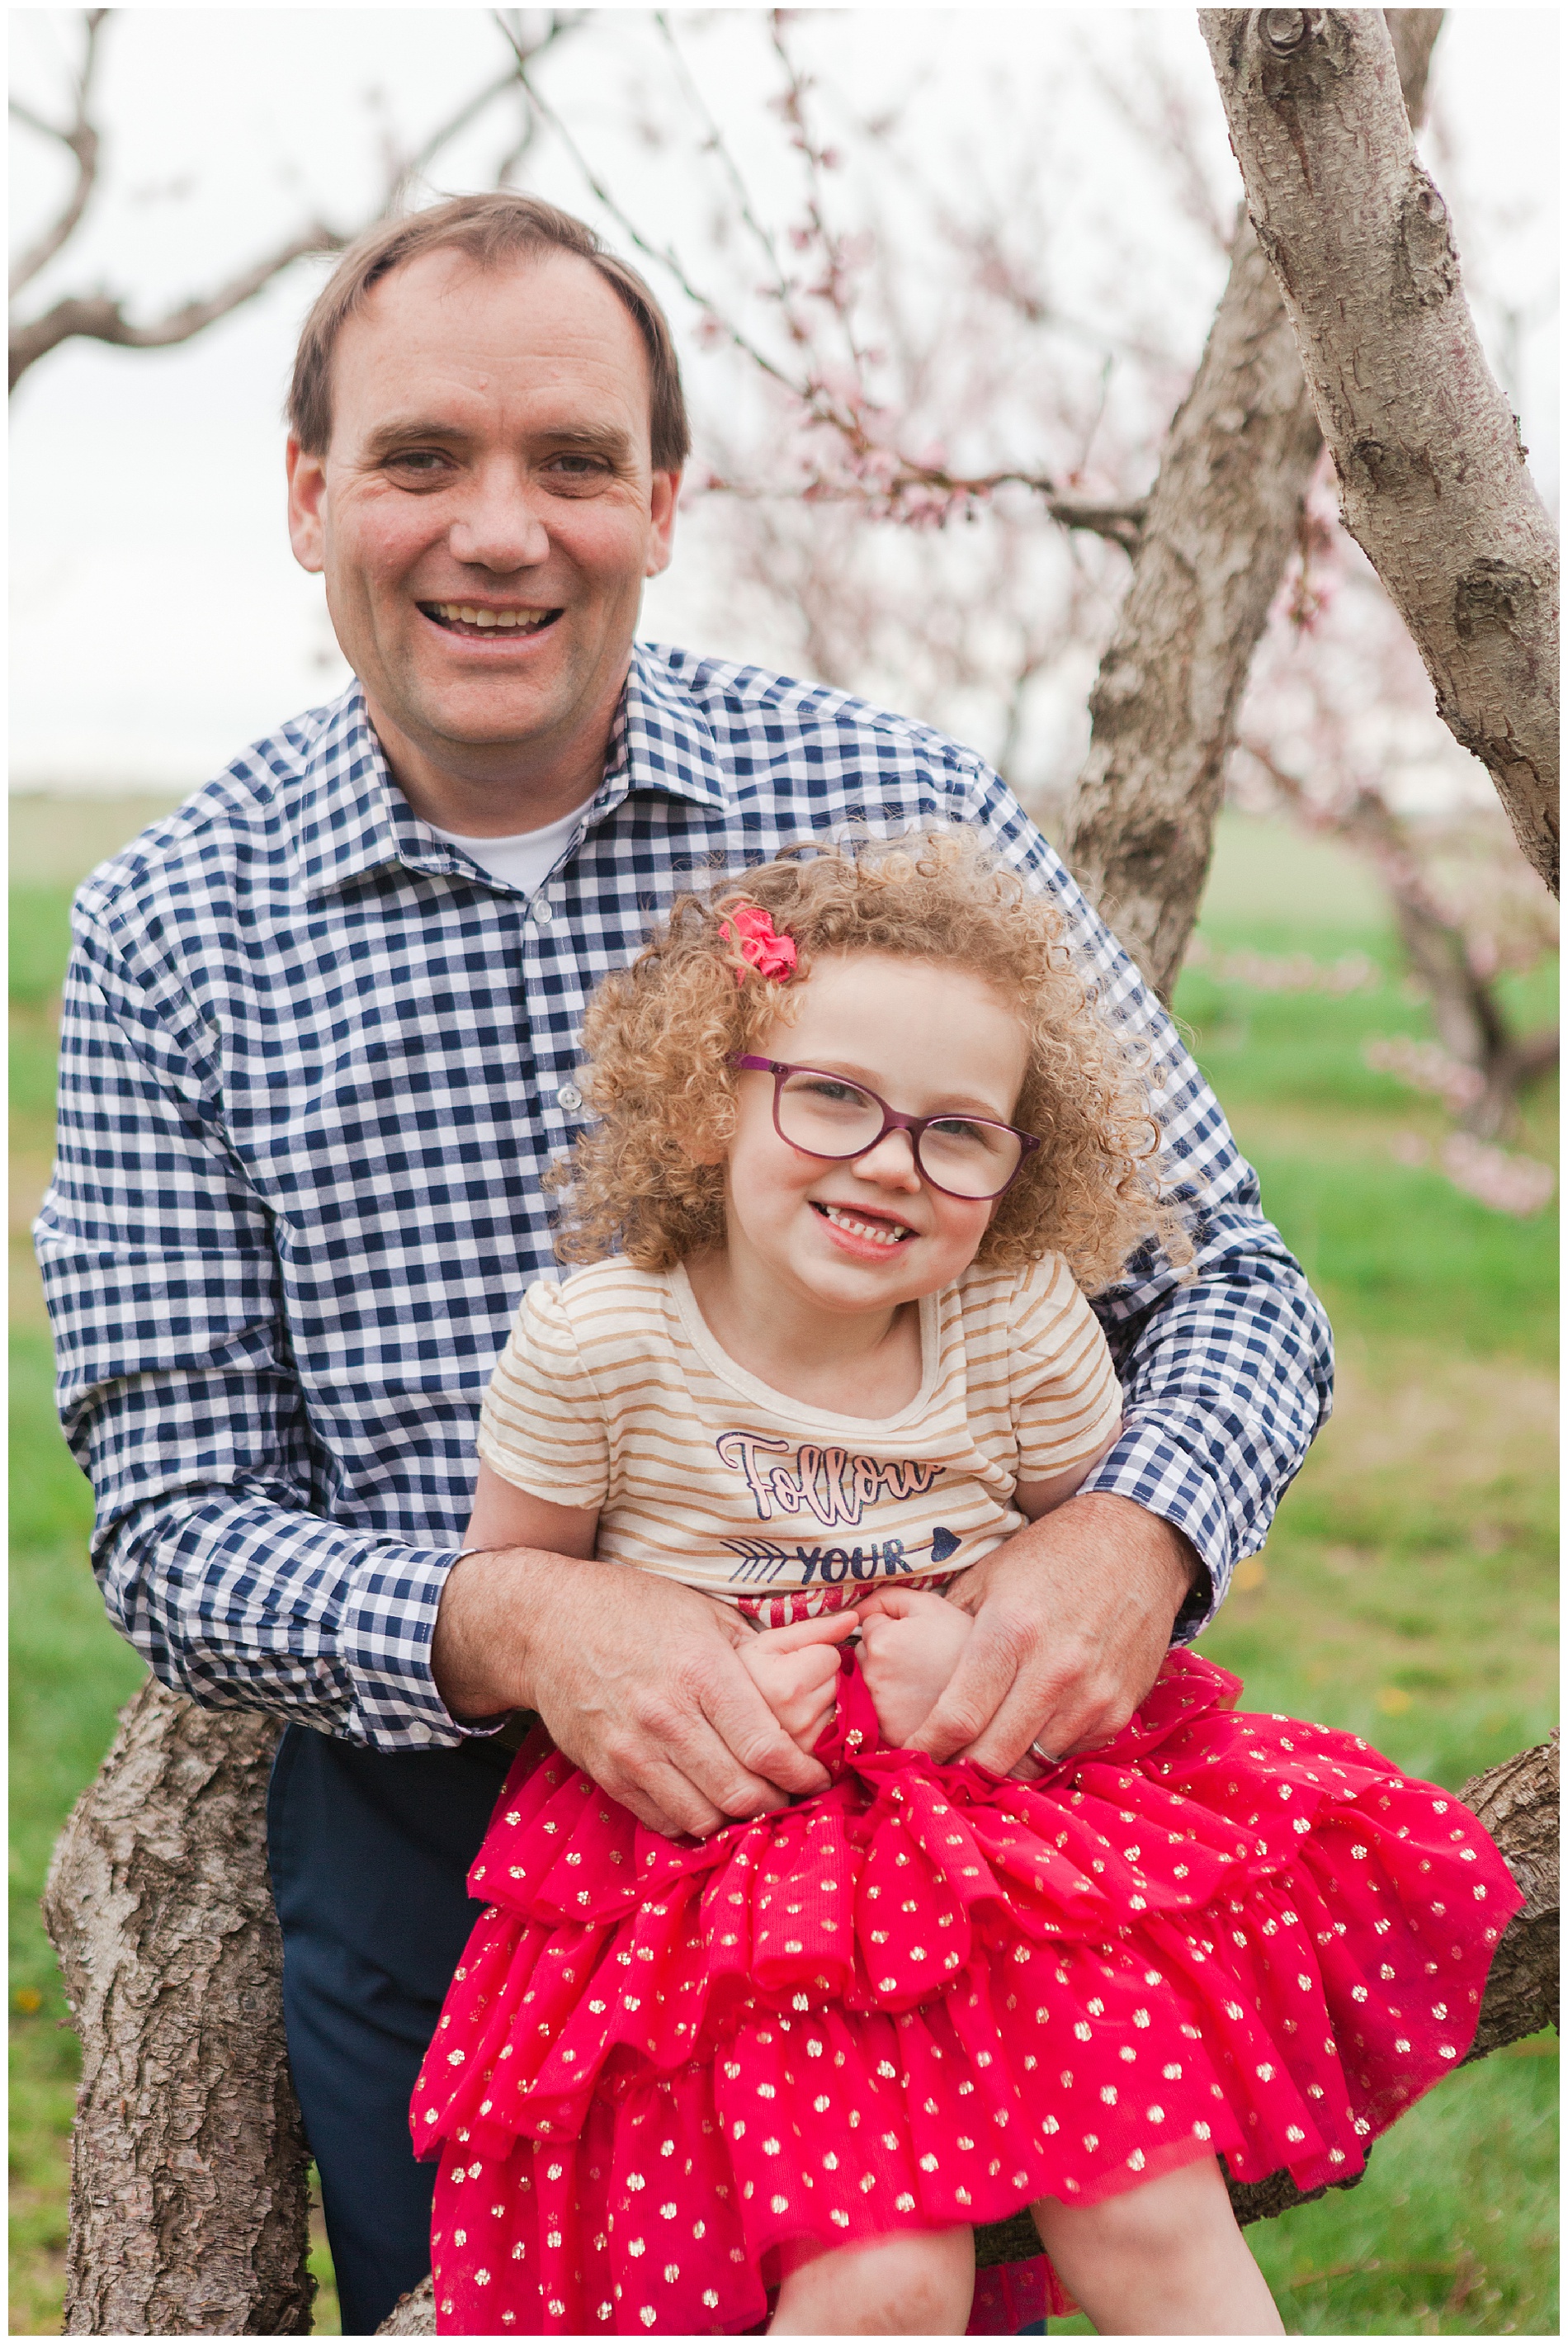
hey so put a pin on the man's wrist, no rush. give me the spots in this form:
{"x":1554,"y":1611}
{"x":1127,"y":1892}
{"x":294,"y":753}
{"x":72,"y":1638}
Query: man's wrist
{"x":1151,"y":1536}
{"x":1140,"y":1536}
{"x":478,"y":1649}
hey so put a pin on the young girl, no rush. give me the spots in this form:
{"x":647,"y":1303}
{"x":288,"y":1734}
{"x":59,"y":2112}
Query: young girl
{"x":864,"y":1140}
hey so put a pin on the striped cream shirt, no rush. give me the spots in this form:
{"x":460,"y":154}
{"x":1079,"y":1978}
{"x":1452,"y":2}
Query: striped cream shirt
{"x":611,"y":1394}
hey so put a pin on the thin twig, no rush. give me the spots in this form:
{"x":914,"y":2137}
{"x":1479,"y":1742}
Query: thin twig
{"x":1120,"y":523}
{"x":665,"y":255}
{"x":101,"y":317}
{"x":82,"y":139}
{"x":719,"y":145}
{"x":414,"y":165}
{"x":832,"y":246}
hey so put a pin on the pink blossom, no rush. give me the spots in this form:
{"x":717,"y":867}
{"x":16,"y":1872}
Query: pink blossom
{"x":1425,"y":1066}
{"x":1503,"y":1182}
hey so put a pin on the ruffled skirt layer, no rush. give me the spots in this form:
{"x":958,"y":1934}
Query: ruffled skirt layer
{"x":926,"y":1997}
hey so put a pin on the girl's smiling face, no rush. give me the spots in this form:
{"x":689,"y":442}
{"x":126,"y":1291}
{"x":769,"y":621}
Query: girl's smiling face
{"x":870,"y":1234}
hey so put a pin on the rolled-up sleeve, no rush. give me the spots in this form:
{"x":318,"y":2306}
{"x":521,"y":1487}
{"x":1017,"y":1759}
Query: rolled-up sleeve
{"x":180,"y":1402}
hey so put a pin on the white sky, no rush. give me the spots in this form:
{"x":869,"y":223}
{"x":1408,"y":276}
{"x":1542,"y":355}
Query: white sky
{"x":158,"y":619}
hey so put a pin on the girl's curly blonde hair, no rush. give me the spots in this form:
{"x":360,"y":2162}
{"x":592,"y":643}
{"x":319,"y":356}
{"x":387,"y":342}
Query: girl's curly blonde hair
{"x":659,"y":1037}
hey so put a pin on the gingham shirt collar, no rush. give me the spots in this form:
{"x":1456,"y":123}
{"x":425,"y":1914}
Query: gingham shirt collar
{"x":353,"y":819}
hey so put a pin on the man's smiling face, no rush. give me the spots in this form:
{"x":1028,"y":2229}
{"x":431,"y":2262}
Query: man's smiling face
{"x":485,"y":516}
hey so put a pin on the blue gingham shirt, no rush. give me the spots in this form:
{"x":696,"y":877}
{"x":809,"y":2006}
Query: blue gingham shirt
{"x":314,"y":1061}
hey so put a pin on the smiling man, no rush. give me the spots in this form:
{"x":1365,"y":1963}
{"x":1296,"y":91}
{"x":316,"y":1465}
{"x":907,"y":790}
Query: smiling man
{"x":318,"y":1047}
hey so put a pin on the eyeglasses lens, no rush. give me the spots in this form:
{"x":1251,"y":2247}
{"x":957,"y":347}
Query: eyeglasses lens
{"x":832,"y":1118}
{"x":971,"y":1159}
{"x":827,"y":1117}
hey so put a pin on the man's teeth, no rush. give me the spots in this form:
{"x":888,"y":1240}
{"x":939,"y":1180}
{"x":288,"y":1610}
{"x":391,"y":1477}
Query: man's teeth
{"x":879,"y":1233}
{"x":526,"y":623}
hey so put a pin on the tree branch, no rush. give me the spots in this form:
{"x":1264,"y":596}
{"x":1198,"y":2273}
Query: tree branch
{"x":1433,"y":478}
{"x":102,"y":317}
{"x":812,"y":398}
{"x":903,"y":488}
{"x":1221,"y":523}
{"x":1119,"y":521}
{"x":1468,"y":1010}
{"x":82,"y":139}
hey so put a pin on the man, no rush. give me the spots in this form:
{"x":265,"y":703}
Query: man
{"x":318,"y":1046}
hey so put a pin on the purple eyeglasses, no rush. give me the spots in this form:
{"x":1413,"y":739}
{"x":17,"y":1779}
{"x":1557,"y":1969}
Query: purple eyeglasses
{"x":822,"y":1114}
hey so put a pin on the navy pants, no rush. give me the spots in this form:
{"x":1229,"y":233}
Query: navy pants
{"x":369,"y":1856}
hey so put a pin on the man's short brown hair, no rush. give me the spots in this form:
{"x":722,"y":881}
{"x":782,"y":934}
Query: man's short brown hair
{"x":493,"y":230}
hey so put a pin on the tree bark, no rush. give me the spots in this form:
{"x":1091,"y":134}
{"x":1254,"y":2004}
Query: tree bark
{"x":1222,"y":518}
{"x":1433,"y":483}
{"x":1518,"y":1803}
{"x":188,"y":2204}
{"x":1139,"y":833}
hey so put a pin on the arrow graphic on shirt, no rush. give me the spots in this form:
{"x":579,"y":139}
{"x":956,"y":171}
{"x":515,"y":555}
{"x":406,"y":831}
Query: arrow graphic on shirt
{"x":762,"y":1561}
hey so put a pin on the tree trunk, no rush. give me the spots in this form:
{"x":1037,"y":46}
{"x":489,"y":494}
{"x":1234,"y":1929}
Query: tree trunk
{"x":189,"y":2205}
{"x":1433,"y":484}
{"x":1222,"y":518}
{"x":1518,"y":1803}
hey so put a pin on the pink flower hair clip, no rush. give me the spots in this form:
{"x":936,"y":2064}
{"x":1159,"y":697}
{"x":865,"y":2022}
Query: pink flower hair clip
{"x":753,"y":936}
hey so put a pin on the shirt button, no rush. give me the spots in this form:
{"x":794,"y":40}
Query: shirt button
{"x":569,"y":1097}
{"x":541,"y":911}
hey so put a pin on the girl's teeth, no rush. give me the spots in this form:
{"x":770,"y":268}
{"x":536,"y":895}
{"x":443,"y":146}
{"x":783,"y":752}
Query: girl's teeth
{"x":882,"y":1237}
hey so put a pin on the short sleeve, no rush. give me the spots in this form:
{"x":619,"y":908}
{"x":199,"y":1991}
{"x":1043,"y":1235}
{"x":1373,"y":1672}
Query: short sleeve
{"x":543,"y":1424}
{"x":1067,"y":1401}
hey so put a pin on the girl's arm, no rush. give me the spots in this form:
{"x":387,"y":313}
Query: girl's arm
{"x":505,"y":1516}
{"x":1037,"y":1498}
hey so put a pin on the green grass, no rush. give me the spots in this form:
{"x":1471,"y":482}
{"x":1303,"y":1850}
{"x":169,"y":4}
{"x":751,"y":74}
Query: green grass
{"x":1407,"y":1591}
{"x":38,"y":939}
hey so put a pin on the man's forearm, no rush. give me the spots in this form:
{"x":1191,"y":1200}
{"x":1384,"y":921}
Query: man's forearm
{"x":637,"y":1678}
{"x":241,"y":1603}
{"x":482,"y":1648}
{"x":1162,"y":1559}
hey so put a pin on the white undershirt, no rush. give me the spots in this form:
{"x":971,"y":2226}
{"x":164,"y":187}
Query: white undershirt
{"x":524,"y":861}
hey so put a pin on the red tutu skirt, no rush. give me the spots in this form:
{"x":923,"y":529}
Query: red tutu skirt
{"x":925,"y":1997}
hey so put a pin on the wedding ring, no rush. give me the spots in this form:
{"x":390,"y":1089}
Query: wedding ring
{"x":1044,"y":1756}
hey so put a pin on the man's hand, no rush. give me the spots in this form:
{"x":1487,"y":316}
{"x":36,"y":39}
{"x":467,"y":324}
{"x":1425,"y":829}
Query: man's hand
{"x":910,"y":1642}
{"x":1072,"y":1620}
{"x":638,"y":1679}
{"x":795,"y":1670}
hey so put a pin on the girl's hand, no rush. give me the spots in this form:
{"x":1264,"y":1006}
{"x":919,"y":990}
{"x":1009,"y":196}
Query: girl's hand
{"x":795,"y":1670}
{"x":910,"y":1641}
